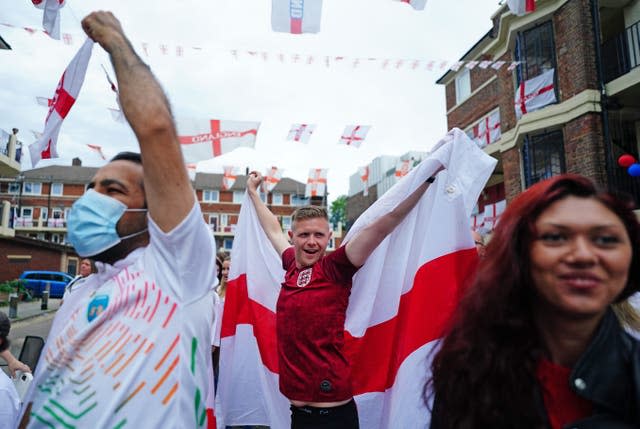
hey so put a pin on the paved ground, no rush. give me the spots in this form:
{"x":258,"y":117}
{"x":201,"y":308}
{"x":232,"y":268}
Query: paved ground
{"x":31,"y":320}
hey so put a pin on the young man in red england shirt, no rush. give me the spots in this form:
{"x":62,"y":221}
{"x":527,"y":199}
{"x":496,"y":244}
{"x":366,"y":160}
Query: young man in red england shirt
{"x":315,"y":374}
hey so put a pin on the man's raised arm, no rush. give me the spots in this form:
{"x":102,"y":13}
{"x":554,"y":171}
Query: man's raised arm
{"x":168,"y":191}
{"x":268,"y":220}
{"x":364,"y":242}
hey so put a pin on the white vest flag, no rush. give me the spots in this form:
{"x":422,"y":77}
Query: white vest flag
{"x":400,"y":301}
{"x":296,"y":16}
{"x":416,"y":4}
{"x":354,"y":135}
{"x":229,"y":176}
{"x":206,"y":139}
{"x":316,"y":183}
{"x":65,"y":95}
{"x":50,"y":16}
{"x":301,"y":132}
{"x":363,"y":172}
{"x":535,"y":93}
{"x":271,"y":179}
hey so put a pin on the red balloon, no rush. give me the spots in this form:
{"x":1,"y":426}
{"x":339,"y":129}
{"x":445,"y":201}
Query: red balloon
{"x":626,"y":160}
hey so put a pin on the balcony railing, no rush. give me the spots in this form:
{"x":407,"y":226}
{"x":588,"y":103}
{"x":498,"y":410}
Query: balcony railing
{"x":621,"y":53}
{"x":20,"y":223}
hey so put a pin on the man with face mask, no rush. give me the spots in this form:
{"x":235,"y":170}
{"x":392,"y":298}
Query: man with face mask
{"x":127,"y":347}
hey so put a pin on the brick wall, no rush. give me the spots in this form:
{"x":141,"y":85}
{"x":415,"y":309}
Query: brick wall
{"x":357,"y":204}
{"x":512,"y":176}
{"x":584,"y":148}
{"x":42,"y":257}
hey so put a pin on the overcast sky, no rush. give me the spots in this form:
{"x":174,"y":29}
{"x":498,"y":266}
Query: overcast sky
{"x":404,"y":106}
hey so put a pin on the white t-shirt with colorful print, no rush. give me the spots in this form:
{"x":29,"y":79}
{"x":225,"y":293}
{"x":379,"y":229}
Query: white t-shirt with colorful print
{"x":131,"y":347}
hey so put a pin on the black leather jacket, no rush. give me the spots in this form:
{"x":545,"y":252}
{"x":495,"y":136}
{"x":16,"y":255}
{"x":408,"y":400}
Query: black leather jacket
{"x":607,"y":374}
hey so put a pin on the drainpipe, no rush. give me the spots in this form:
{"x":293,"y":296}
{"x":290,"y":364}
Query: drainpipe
{"x":604,"y":114}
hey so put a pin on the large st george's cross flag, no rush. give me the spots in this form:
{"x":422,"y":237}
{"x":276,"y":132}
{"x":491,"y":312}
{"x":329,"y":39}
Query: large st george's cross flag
{"x":400,"y":301}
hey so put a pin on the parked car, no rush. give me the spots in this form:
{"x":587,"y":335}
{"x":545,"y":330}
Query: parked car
{"x":36,"y":282}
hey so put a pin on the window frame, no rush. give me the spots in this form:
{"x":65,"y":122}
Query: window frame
{"x":542,"y":146}
{"x":464,"y":76}
{"x":31,"y":191}
{"x":214,"y":196}
{"x":53,"y":186}
{"x":531,"y":66}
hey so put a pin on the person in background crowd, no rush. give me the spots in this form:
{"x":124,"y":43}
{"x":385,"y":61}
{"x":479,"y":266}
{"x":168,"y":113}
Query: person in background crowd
{"x":9,"y":399}
{"x":87,"y":267}
{"x":534,"y":342}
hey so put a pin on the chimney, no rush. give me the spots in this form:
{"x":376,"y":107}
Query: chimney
{"x":76,"y":162}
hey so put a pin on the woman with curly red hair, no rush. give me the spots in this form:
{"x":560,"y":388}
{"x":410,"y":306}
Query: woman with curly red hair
{"x":534,"y":342}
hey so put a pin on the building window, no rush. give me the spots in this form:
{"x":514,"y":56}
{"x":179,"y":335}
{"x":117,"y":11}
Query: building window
{"x":44,"y":212}
{"x":210,"y":195}
{"x":57,"y":189}
{"x":535,"y":49}
{"x":542,"y":157}
{"x":299,"y":200}
{"x":26,"y":212}
{"x":286,"y":223}
{"x":463,"y":85}
{"x":213,"y":222}
{"x":276,"y":199}
{"x":72,"y":266}
{"x":238,"y":196}
{"x":14,"y":188}
{"x":224,"y":219}
{"x":32,"y":188}
{"x":227,"y":243}
{"x":55,"y":238}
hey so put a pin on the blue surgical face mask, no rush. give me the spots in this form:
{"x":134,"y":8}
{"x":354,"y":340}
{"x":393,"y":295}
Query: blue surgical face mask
{"x":91,"y":224}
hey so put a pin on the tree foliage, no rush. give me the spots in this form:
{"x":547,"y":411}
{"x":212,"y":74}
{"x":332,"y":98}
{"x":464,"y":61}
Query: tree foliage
{"x":337,"y":211}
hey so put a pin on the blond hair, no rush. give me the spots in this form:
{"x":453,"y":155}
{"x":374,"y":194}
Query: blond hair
{"x":627,"y":315}
{"x":309,"y":212}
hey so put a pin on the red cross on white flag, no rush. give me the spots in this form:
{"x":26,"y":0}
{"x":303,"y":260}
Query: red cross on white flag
{"x":402,"y":168}
{"x":316,"y":183}
{"x":301,"y":132}
{"x":296,"y":16}
{"x":353,"y":135}
{"x":521,"y":7}
{"x":487,"y":131}
{"x":492,"y":214}
{"x":535,"y":93}
{"x":416,"y":4}
{"x":97,"y":149}
{"x":206,"y":139}
{"x":50,"y":16}
{"x":363,"y":172}
{"x":229,"y":177}
{"x":63,"y":99}
{"x":271,"y":179}
{"x":44,"y":101}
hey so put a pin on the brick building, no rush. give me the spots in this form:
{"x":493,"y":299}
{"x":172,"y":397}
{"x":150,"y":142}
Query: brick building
{"x":570,"y":106}
{"x":37,"y":203}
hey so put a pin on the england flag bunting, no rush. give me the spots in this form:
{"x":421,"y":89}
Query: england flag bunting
{"x":487,"y":131}
{"x":354,"y":135}
{"x":97,"y":149}
{"x":50,"y":16}
{"x":492,"y":214}
{"x":401,"y":299}
{"x":416,"y":4}
{"x":229,"y":176}
{"x":301,"y":132}
{"x":402,"y":168}
{"x":363,"y":172}
{"x":116,"y":114}
{"x":206,"y":139}
{"x":534,"y":94}
{"x":271,"y":179}
{"x":296,"y":16}
{"x":316,"y":183}
{"x":65,"y":95}
{"x":44,"y":101}
{"x":521,"y":7}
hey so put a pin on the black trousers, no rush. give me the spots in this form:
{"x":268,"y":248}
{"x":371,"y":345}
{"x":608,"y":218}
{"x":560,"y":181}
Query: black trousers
{"x":342,"y":417}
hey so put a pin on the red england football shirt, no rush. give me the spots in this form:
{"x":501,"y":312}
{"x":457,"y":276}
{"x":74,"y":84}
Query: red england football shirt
{"x":310,"y":317}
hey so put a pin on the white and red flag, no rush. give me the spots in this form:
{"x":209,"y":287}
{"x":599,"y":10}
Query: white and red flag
{"x":97,"y":149}
{"x":301,"y":132}
{"x":116,"y":114}
{"x":491,"y":215}
{"x":66,"y":94}
{"x":229,"y":176}
{"x":271,"y":179}
{"x":535,"y":93}
{"x":206,"y":139}
{"x":44,"y":101}
{"x":477,"y":222}
{"x":521,"y":7}
{"x":487,"y":131}
{"x":354,"y":135}
{"x":296,"y":16}
{"x":403,"y":167}
{"x":416,"y":4}
{"x":364,"y":176}
{"x":50,"y":16}
{"x":316,"y":183}
{"x":400,"y":301}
